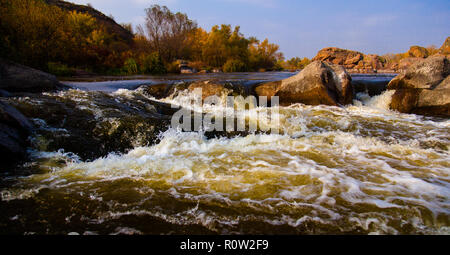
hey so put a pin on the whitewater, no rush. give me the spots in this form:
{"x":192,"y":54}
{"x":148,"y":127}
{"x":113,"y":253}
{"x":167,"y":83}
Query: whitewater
{"x":358,"y":169}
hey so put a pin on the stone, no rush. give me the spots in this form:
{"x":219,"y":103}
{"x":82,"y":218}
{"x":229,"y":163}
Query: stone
{"x":424,"y":88}
{"x":18,"y":78}
{"x":14,"y":131}
{"x":417,"y":52}
{"x":318,"y":83}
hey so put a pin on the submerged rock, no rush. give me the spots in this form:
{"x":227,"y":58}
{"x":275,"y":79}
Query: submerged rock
{"x":318,"y":83}
{"x":424,"y":88}
{"x":14,"y":131}
{"x":209,"y":88}
{"x":18,"y":78}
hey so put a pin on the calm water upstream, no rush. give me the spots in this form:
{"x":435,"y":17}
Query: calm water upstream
{"x":360,"y":169}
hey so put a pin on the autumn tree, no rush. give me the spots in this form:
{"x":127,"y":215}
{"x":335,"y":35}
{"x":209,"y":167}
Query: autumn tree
{"x":167,"y":32}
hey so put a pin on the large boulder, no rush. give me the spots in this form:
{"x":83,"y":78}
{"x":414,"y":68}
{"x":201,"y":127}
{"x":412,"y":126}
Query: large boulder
{"x":318,"y":83}
{"x":347,"y":58}
{"x":353,"y":61}
{"x":14,"y":131}
{"x":424,"y":88}
{"x":18,"y":78}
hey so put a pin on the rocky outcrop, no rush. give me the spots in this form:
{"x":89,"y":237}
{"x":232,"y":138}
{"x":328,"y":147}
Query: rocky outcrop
{"x":347,"y":58}
{"x":351,"y":60}
{"x":14,"y":131}
{"x":424,"y":88}
{"x":417,"y":52}
{"x":18,"y":78}
{"x":318,"y":83}
{"x":445,"y":49}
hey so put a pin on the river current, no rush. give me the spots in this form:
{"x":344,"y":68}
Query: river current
{"x":358,"y":169}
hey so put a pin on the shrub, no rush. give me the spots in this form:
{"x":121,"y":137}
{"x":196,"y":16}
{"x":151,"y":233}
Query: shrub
{"x":173,"y":67}
{"x":130,"y":66}
{"x":59,"y":69}
{"x":152,"y":64}
{"x":234,"y":65}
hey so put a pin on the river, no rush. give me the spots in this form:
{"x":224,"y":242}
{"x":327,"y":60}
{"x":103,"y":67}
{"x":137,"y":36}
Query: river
{"x":359,"y":169}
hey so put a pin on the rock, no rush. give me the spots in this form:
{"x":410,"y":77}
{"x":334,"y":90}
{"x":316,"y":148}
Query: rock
{"x":93,"y":124}
{"x":417,"y":52}
{"x":318,"y":83}
{"x":445,"y":49}
{"x":346,"y":58}
{"x":4,"y":93}
{"x":424,"y":88}
{"x":18,"y":78}
{"x":211,"y":88}
{"x":267,"y":89}
{"x":353,"y":61}
{"x":405,"y":63}
{"x":157,"y":91}
{"x":187,"y":70}
{"x":14,"y":131}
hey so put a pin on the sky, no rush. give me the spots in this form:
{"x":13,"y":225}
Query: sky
{"x":303,"y":27}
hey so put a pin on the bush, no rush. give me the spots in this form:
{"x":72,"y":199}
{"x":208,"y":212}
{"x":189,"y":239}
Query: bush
{"x":59,"y":69}
{"x":234,"y":65}
{"x":130,"y":66}
{"x":173,"y":67}
{"x":152,"y":64}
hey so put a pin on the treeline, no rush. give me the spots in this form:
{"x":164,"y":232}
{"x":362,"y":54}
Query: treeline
{"x":44,"y":36}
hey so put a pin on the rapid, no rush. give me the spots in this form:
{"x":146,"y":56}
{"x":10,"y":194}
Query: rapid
{"x":358,"y":169}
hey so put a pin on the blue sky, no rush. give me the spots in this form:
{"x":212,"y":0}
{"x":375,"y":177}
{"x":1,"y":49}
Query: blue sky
{"x":302,"y":28}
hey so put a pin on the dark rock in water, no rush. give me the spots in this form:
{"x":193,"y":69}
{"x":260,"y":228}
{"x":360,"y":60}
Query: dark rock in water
{"x":14,"y":131}
{"x":209,"y":88}
{"x":4,"y":93}
{"x":424,"y":88}
{"x":318,"y":83}
{"x":158,"y":91}
{"x":92,"y":124}
{"x":18,"y":78}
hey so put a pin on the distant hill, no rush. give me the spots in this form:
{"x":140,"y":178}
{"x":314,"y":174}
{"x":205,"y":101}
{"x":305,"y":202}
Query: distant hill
{"x":111,"y":26}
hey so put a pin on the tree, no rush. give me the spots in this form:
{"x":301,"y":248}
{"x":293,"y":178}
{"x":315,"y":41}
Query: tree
{"x":167,"y":32}
{"x":31,"y":31}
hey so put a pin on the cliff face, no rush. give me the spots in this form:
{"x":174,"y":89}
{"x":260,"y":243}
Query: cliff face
{"x":111,"y":26}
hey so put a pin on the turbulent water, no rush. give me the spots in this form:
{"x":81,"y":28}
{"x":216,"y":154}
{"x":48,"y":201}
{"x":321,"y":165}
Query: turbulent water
{"x":361,"y":169}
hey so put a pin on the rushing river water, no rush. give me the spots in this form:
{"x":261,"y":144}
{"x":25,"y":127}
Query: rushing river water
{"x":360,"y":169}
